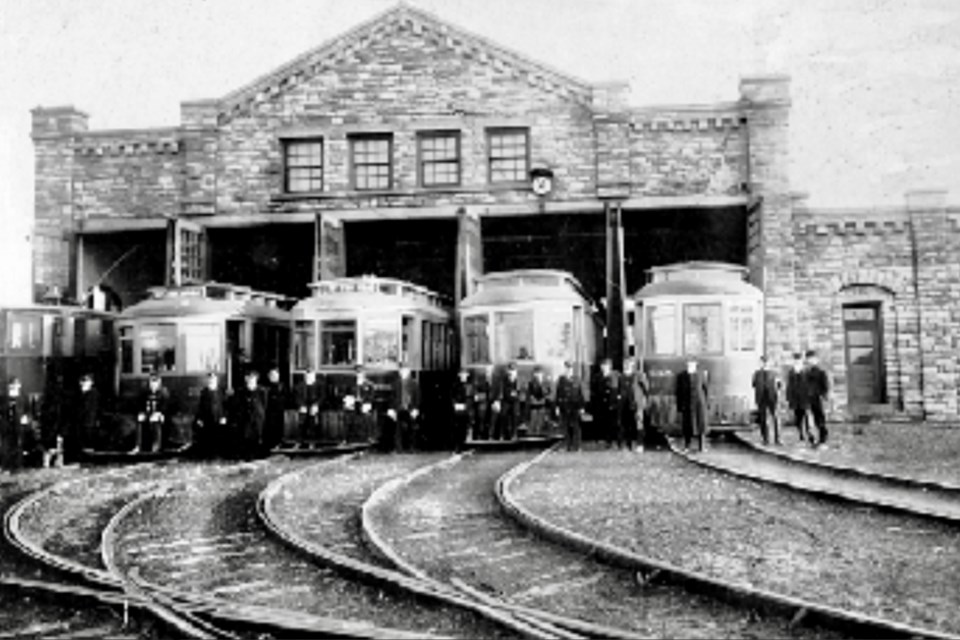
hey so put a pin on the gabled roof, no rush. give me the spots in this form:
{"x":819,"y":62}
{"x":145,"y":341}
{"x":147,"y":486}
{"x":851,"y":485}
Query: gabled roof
{"x":464,"y":42}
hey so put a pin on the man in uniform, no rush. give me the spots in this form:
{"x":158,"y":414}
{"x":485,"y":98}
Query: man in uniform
{"x":798,"y":397}
{"x":154,"y":405}
{"x":404,"y":410}
{"x":309,"y":398}
{"x":275,"y":404}
{"x":481,"y":404}
{"x":538,"y":398}
{"x":211,"y":419}
{"x":569,"y":403}
{"x":84,"y":419}
{"x":460,"y":395}
{"x":691,"y":391}
{"x":247,"y":416}
{"x":507,"y":405}
{"x":818,"y":386}
{"x":362,"y":416}
{"x":611,"y":403}
{"x":635,"y":392}
{"x":14,"y":420}
{"x":766,"y":389}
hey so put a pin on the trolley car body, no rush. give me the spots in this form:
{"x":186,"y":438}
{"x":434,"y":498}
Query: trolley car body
{"x":374,"y":325}
{"x":706,"y":311}
{"x":182,"y":333}
{"x":48,"y":348}
{"x":530,"y":317}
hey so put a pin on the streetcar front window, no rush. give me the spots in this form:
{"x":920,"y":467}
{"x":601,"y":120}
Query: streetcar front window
{"x":555,"y":330}
{"x":304,"y":344}
{"x":381,"y":341}
{"x":743,"y":330}
{"x":158,"y":348}
{"x":514,"y":335}
{"x":702,"y":330}
{"x":661,"y":330}
{"x":126,"y":350}
{"x":23,"y":333}
{"x":338,"y":342}
{"x":477,"y":341}
{"x":201,"y":347}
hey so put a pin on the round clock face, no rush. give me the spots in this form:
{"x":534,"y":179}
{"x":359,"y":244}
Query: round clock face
{"x":542,"y":185}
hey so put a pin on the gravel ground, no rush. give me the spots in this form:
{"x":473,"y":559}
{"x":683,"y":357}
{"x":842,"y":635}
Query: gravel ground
{"x":449,"y":524}
{"x":898,"y":567}
{"x":27,"y":616}
{"x":207,"y":539}
{"x":922,"y":451}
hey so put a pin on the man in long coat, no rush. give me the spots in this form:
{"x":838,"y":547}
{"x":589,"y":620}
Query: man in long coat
{"x":610,"y":403}
{"x":798,"y":397}
{"x":538,"y":400}
{"x":84,"y":419}
{"x":569,"y":405}
{"x":507,"y":405}
{"x":766,"y":391}
{"x":692,"y":395}
{"x":480,"y":404}
{"x":154,"y":409}
{"x":636,"y":389}
{"x":818,"y":386}
{"x":209,"y":426}
{"x":460,"y":396}
{"x":275,"y":405}
{"x":309,"y":397}
{"x":404,"y":410}
{"x":14,"y":421}
{"x":247,"y":417}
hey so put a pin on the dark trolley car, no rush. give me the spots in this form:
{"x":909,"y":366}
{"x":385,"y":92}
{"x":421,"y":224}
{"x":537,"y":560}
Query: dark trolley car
{"x":706,"y":311}
{"x":182,"y":333}
{"x":374,"y":324}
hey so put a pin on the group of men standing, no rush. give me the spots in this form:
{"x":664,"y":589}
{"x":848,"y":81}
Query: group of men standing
{"x":806,"y":394}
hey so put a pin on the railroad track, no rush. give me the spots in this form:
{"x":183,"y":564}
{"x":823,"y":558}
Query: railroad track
{"x":444,"y":525}
{"x":734,"y":577}
{"x":204,"y":544}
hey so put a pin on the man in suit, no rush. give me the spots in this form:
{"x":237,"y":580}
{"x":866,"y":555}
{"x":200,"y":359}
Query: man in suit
{"x":209,"y":425}
{"x":766,"y":392}
{"x":362,"y":412}
{"x":798,"y":397}
{"x":14,"y":421}
{"x":636,"y":389}
{"x":481,"y":404}
{"x":154,"y":407}
{"x":460,"y":396}
{"x":85,"y":419}
{"x":507,"y":405}
{"x":818,"y":386}
{"x":404,"y":410}
{"x":569,"y":405}
{"x":610,"y":403}
{"x":247,"y":415}
{"x":275,"y":405}
{"x":538,"y":399}
{"x":309,"y":399}
{"x":692,"y":395}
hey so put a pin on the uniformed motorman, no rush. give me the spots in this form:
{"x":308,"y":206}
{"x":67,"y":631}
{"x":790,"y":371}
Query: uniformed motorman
{"x":538,"y":400}
{"x":14,"y":421}
{"x":309,"y":399}
{"x":154,"y":405}
{"x":404,"y":410}
{"x":275,"y":405}
{"x":209,"y":425}
{"x":362,"y":418}
{"x":481,"y":404}
{"x":569,"y":405}
{"x":507,"y":405}
{"x":636,"y":388}
{"x":611,"y":403}
{"x":461,"y":394}
{"x":247,"y":416}
{"x":85,"y":419}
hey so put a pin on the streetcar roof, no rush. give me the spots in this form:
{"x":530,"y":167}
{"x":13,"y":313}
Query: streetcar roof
{"x":370,"y":292}
{"x":524,"y":285}
{"x":697,"y":288}
{"x":210,"y":298}
{"x":74,"y":310}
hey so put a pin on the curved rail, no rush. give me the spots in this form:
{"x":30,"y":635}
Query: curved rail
{"x":386,"y":577}
{"x":796,"y":609}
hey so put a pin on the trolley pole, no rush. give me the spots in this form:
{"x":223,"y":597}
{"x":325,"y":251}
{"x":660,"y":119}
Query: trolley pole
{"x":615,"y":282}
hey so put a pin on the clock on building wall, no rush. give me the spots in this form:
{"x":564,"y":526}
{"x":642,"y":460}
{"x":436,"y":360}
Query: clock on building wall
{"x":541,"y":181}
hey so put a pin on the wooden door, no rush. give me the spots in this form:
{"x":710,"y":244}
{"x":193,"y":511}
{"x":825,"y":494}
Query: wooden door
{"x":864,"y":351}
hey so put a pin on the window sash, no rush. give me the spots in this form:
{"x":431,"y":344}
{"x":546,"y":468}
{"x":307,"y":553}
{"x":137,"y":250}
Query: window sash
{"x":372,"y":161}
{"x":303,"y":166}
{"x":439,"y":155}
{"x":508,"y":155}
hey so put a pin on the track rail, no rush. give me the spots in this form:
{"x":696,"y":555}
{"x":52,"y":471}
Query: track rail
{"x":798,"y":610}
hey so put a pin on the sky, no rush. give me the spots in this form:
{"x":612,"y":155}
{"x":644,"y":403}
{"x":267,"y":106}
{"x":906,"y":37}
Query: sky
{"x":874,"y":82}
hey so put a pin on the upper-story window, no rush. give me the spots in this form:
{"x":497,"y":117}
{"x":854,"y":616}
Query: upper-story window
{"x":508,"y":154}
{"x":371,"y":161}
{"x":303,"y":165}
{"x":439,"y":158}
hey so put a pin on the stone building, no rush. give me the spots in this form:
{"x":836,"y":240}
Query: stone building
{"x":374,"y":152}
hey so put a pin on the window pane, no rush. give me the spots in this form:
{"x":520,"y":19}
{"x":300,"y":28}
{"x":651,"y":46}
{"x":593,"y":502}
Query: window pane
{"x":304,"y":344}
{"x":557,"y":339}
{"x":201,"y":345}
{"x":304,"y":166}
{"x":477,"y":339}
{"x":158,"y":348}
{"x":860,"y":313}
{"x":514,"y":335}
{"x":23,"y":333}
{"x":439,"y":159}
{"x":508,"y":155}
{"x":381,"y":342}
{"x":701,"y":329}
{"x":661,"y":330}
{"x":371,"y":159}
{"x":338,"y":342}
{"x":743,"y":332}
